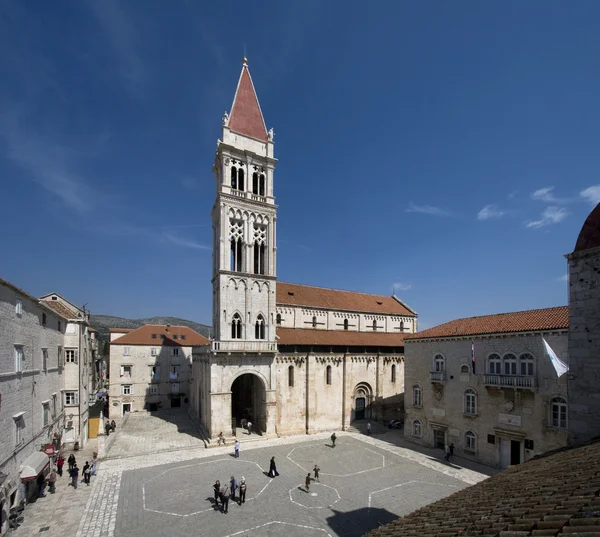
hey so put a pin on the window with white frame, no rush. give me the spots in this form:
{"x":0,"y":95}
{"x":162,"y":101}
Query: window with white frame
{"x":126,"y":371}
{"x":126,"y":389}
{"x":175,"y":387}
{"x":19,"y":358}
{"x":71,"y":356}
{"x":126,"y":351}
{"x":558,"y":411}
{"x":470,"y":402}
{"x":416,"y":428}
{"x":19,"y":308}
{"x":45,"y":360}
{"x":154,"y":373}
{"x":175,"y":351}
{"x":510,"y":364}
{"x":152,"y":389}
{"x":470,"y":441}
{"x":526,"y":364}
{"x":174,"y":372}
{"x":71,"y":398}
{"x":494,"y":364}
{"x":153,"y":351}
{"x":46,"y":413}
{"x":19,"y":430}
{"x":417,"y":395}
{"x":439,"y":363}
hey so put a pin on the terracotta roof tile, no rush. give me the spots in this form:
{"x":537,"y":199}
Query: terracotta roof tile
{"x":61,"y":309}
{"x":589,"y":236}
{"x":125,"y":330}
{"x":180,"y":336}
{"x":520,"y":321}
{"x":318,"y":297}
{"x":302,"y":336}
{"x":246,"y":116}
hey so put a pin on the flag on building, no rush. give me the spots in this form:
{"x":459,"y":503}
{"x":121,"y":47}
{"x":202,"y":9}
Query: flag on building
{"x":560,"y":367}
{"x":473,"y":356}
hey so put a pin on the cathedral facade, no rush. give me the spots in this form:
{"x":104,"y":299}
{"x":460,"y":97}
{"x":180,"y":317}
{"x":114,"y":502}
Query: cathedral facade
{"x":288,"y":358}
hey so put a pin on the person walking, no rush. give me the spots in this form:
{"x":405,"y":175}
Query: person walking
{"x":71,"y":460}
{"x":94,"y":463}
{"x":316,"y":470}
{"x":249,"y":427}
{"x":242,"y":496}
{"x":273,"y":468}
{"x":447,"y":452}
{"x":107,"y":428}
{"x":233,"y":487}
{"x":225,"y":492}
{"x":369,"y":428}
{"x":52,"y":481}
{"x":87,"y":472}
{"x":236,"y":448}
{"x":451,"y":450}
{"x":220,"y":439}
{"x":217,"y":489}
{"x":333,"y":438}
{"x":59,"y":464}
{"x":74,"y":475}
{"x":307,"y":482}
{"x":113,"y":426}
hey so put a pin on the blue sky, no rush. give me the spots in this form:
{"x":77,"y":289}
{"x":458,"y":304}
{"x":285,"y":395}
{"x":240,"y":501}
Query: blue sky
{"x":447,"y":148}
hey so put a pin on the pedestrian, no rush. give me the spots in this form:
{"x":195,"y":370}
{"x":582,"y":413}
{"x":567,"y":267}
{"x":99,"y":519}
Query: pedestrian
{"x":59,"y":464}
{"x":273,"y":468}
{"x":333,"y":438}
{"x":217,"y":489}
{"x":307,"y":482}
{"x":74,"y":476}
{"x":317,"y":470}
{"x":225,"y":497}
{"x":447,"y":452}
{"x":87,"y":472}
{"x":369,"y":428}
{"x":233,"y":487}
{"x":71,"y":460}
{"x":237,"y":448}
{"x":107,"y":428}
{"x":451,"y":450}
{"x":41,"y":481}
{"x":94,"y":463}
{"x":249,"y":427}
{"x":52,"y":481}
{"x":220,"y":439}
{"x":242,"y":496}
{"x":113,"y":426}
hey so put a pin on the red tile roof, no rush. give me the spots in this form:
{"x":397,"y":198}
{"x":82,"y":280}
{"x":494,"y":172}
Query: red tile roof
{"x":61,"y":309}
{"x":172,"y":336}
{"x":501,"y":323}
{"x":303,"y":336}
{"x":589,"y":236}
{"x":246,"y":117}
{"x":318,"y":297}
{"x":557,"y":494}
{"x":117,"y":330}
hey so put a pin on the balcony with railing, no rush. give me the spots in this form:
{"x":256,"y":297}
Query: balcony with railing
{"x":510,"y":381}
{"x":244,"y":346}
{"x":437,"y":376}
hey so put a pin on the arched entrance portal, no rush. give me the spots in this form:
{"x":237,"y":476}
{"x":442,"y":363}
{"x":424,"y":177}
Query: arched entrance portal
{"x":248,"y":403}
{"x":362,"y":401}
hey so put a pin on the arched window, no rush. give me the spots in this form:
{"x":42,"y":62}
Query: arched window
{"x":374,"y":324}
{"x":401,"y":326}
{"x":328,"y":375}
{"x":234,"y":183}
{"x":439,"y":363}
{"x":314,"y":322}
{"x":255,"y":183}
{"x":510,"y":364}
{"x":470,"y":402}
{"x":291,"y":376}
{"x":240,"y":179}
{"x":494,"y":364}
{"x":393,"y":372}
{"x":416,"y":428}
{"x":278,"y":318}
{"x":345,"y":324}
{"x":259,"y":258}
{"x":470,"y":441}
{"x":526,"y":364}
{"x":235,"y":260}
{"x":236,"y":327}
{"x":558,"y":413}
{"x":261,"y":186}
{"x":417,"y":395}
{"x":464,"y":369}
{"x":259,"y":328}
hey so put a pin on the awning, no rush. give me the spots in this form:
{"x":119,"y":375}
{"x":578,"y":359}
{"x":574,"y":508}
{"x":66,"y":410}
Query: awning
{"x":34,"y":465}
{"x":99,"y":395}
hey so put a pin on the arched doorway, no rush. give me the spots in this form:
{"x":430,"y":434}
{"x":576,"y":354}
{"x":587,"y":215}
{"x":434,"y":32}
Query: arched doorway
{"x":362,"y":401}
{"x":248,"y":402}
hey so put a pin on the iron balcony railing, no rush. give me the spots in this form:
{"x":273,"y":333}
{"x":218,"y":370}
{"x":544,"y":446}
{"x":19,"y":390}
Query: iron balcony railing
{"x":437,"y":376}
{"x":510,"y":381}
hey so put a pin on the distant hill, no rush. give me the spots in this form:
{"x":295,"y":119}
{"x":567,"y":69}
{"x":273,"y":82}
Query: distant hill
{"x":103,"y":323}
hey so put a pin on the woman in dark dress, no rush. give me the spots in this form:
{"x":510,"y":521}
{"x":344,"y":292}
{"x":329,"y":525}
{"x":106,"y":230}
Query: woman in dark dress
{"x":272,"y":468}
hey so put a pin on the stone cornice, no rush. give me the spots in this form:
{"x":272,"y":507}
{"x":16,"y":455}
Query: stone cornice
{"x":558,"y":331}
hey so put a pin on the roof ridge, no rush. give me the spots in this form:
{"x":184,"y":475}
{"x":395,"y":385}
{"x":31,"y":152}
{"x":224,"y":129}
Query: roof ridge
{"x":503,"y":313}
{"x":334,"y":289}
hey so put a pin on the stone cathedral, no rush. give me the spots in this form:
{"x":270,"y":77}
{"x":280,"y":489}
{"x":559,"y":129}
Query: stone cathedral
{"x":289,"y":358}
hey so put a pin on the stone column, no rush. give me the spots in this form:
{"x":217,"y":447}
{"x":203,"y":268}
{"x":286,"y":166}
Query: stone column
{"x":270,"y":411}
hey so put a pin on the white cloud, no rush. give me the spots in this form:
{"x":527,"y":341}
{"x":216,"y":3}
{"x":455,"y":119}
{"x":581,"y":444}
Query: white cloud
{"x":513,"y":194}
{"x":490,"y":211}
{"x":185,"y":243}
{"x":551,"y":215}
{"x":591,"y":194}
{"x":427,"y":209}
{"x":399,"y":286}
{"x":544,"y":194}
{"x":564,"y":278}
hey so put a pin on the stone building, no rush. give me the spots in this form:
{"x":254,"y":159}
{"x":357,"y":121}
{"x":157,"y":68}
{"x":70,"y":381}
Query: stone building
{"x":150,"y":367}
{"x":584,"y":334}
{"x":289,"y":358}
{"x":78,"y":359}
{"x":31,"y":367}
{"x":505,"y":407}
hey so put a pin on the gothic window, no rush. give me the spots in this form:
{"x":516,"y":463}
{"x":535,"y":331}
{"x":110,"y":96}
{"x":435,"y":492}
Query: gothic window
{"x":526,"y":364}
{"x":236,"y":327}
{"x":393,"y":372}
{"x":558,"y":413}
{"x":255,"y":183}
{"x":259,"y":328}
{"x":439,"y":363}
{"x":345,"y":324}
{"x":374,"y":324}
{"x":470,"y":441}
{"x":416,"y":431}
{"x":328,"y":375}
{"x":494,"y":364}
{"x":278,"y":318}
{"x":261,"y":184}
{"x":260,"y":248}
{"x":510,"y":364}
{"x":236,"y":246}
{"x":240,"y":181}
{"x":417,"y":397}
{"x":314,"y":322}
{"x":291,"y":376}
{"x":470,"y":402}
{"x":234,"y":183}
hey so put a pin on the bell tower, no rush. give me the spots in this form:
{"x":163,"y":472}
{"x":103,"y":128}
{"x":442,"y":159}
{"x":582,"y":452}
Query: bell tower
{"x":244,"y":217}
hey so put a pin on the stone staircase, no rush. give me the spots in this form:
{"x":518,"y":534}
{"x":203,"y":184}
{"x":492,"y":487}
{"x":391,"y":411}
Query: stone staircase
{"x":360,"y":427}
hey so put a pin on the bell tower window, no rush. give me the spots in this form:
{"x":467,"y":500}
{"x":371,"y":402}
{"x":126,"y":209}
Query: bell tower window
{"x":314,"y":322}
{"x":255,"y":183}
{"x":260,"y":248}
{"x":374,"y":324}
{"x":261,"y":184}
{"x":234,"y":177}
{"x":278,"y":318}
{"x":259,"y":328}
{"x":345,"y":324}
{"x":236,"y":233}
{"x":236,"y":327}
{"x":240,"y":179}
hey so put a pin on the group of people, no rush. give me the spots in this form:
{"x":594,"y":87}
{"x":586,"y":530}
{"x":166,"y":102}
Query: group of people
{"x":88,"y":469}
{"x":308,"y":479}
{"x":227,"y":491}
{"x":110,"y":426}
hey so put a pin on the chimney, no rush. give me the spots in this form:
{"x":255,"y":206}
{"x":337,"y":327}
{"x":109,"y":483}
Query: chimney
{"x":168,"y":326}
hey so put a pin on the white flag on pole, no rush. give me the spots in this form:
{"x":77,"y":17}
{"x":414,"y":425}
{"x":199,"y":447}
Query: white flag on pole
{"x":560,"y":367}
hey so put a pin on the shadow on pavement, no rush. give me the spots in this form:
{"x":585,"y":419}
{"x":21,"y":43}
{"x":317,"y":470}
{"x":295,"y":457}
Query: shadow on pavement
{"x":360,"y":521}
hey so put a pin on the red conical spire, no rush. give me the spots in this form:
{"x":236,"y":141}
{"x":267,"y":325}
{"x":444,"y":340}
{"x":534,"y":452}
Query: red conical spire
{"x":246,"y":117}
